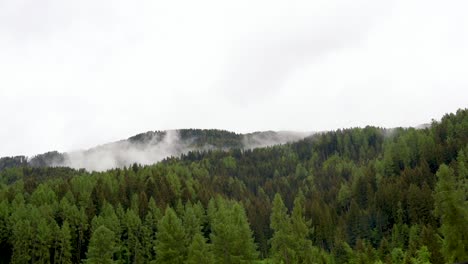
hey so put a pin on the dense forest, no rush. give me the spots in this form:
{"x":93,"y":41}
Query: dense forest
{"x":359,"y":195}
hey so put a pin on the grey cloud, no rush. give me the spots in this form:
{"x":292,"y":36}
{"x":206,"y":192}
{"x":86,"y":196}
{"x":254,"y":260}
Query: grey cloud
{"x":265,"y":59}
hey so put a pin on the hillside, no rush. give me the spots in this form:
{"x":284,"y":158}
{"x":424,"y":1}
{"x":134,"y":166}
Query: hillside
{"x":358,"y":195}
{"x":151,"y":147}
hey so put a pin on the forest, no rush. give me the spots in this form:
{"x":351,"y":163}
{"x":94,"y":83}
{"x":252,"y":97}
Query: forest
{"x":357,"y":195}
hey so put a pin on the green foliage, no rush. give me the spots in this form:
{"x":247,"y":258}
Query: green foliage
{"x":230,"y":233}
{"x":199,"y":251}
{"x":359,"y":195}
{"x":101,"y":247}
{"x":282,"y":242}
{"x":170,"y":246}
{"x":422,"y":256}
{"x":450,"y":206}
{"x":63,"y":250}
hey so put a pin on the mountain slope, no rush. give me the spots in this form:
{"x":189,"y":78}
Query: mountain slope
{"x":360,"y":195}
{"x":153,"y":146}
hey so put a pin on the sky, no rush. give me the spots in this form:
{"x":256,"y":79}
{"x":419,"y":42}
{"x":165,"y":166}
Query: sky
{"x":75,"y":74}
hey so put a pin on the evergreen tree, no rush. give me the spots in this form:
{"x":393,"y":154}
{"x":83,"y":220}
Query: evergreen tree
{"x":300,"y":231}
{"x":132,"y":237}
{"x":63,"y":253}
{"x":191,"y":222}
{"x":170,"y":246}
{"x":199,"y":251}
{"x":450,"y":206}
{"x":101,"y":246}
{"x":282,"y":242}
{"x":230,"y":233}
{"x":42,"y":242}
{"x":422,"y":256}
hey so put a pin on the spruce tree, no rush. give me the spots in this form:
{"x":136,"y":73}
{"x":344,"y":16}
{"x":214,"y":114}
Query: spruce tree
{"x":301,"y":231}
{"x":450,"y":206}
{"x":230,"y":233}
{"x":170,"y":247}
{"x":101,"y":246}
{"x":282,"y":249}
{"x":199,"y":251}
{"x":63,"y":250}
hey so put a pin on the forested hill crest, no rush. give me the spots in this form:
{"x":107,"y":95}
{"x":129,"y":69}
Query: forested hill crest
{"x":151,"y":147}
{"x":361,"y":195}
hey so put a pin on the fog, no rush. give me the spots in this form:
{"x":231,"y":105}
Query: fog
{"x":124,"y":153}
{"x":75,"y":74}
{"x":151,"y":147}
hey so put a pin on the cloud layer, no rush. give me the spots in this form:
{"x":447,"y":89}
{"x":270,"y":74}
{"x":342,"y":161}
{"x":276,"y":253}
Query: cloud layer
{"x":78,"y":73}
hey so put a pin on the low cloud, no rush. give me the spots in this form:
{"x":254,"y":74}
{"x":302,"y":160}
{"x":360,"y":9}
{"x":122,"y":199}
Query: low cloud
{"x":151,"y":147}
{"x":155,"y":147}
{"x":270,"y":138}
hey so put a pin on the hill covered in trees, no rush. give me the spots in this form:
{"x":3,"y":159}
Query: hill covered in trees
{"x":151,"y":147}
{"x":359,"y":195}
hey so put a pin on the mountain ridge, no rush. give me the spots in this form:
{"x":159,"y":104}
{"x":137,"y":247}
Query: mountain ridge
{"x":152,"y":146}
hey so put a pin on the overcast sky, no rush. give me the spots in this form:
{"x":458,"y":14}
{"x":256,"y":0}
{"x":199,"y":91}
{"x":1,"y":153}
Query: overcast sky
{"x":74,"y":74}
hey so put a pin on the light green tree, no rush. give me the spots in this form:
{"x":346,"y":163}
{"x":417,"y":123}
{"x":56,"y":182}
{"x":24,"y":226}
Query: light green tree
{"x":230,"y":233}
{"x":450,"y":206}
{"x":63,"y":245}
{"x":170,"y":246}
{"x":101,"y":247}
{"x":422,"y":256}
{"x":199,"y":251}
{"x":282,"y":243}
{"x":301,"y":231}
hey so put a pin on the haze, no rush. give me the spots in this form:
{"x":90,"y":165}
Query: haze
{"x":75,"y":74}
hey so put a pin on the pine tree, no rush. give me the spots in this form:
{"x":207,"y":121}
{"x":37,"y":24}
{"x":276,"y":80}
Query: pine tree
{"x":43,"y":242}
{"x":422,"y":256}
{"x":23,"y":234}
{"x":230,"y":233}
{"x":170,"y":246}
{"x":199,"y":251}
{"x":191,"y":222}
{"x":451,"y":208}
{"x":301,"y":231}
{"x":63,"y":249}
{"x":132,"y":237}
{"x":101,"y":246}
{"x":282,"y":248}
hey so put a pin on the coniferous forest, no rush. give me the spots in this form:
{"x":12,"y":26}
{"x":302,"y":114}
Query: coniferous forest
{"x":358,"y":195}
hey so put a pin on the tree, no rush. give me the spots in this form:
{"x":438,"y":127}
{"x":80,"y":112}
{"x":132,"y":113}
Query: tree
{"x":199,"y":251}
{"x":101,"y":246}
{"x":23,"y":234}
{"x":230,"y":233}
{"x":43,"y":241}
{"x":191,"y":222}
{"x":170,"y":246}
{"x":282,"y":249}
{"x":300,"y":231}
{"x":451,"y":208}
{"x":63,"y":248}
{"x":422,"y":256}
{"x":132,"y":235}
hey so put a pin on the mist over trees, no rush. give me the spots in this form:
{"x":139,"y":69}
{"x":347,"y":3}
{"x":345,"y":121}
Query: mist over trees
{"x":358,"y":195}
{"x":151,"y":147}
